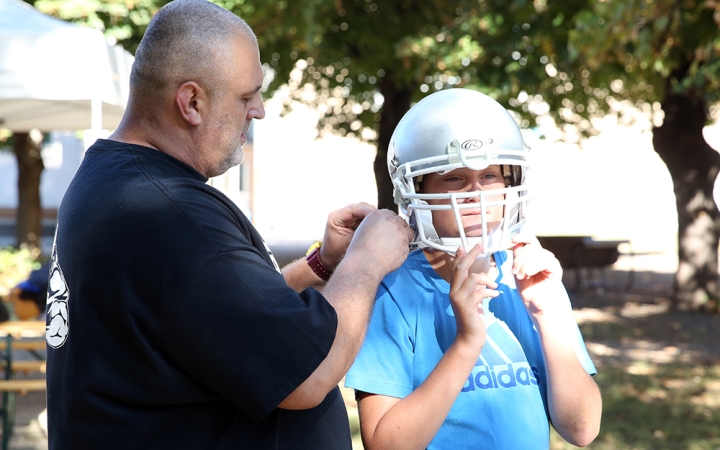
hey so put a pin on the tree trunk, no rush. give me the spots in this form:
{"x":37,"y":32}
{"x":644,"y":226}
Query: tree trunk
{"x":693,"y":167}
{"x":397,"y":102}
{"x":28,"y":229}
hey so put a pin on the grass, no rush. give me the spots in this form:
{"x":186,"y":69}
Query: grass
{"x":645,"y":407}
{"x":649,"y":407}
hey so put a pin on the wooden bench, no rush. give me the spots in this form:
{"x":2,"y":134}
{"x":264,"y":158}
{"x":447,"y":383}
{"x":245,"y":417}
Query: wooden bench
{"x":22,"y":386}
{"x":583,"y":254}
{"x":9,"y":388}
{"x":24,"y":344}
{"x":19,"y":335}
{"x":27,"y":366}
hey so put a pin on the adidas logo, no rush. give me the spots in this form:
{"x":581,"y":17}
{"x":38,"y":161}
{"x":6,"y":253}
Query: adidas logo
{"x":504,"y":376}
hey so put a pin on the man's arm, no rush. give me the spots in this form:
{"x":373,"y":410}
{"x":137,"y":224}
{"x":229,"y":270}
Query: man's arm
{"x":339,"y":230}
{"x":574,"y":400}
{"x":378,"y":246}
{"x":299,"y":276}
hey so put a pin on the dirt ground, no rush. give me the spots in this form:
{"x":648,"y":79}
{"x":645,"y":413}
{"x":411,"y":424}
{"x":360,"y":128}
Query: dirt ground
{"x":627,"y":317}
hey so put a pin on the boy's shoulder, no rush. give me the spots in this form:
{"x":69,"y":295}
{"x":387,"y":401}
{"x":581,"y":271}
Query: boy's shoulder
{"x":416,"y":267}
{"x":413,"y":277}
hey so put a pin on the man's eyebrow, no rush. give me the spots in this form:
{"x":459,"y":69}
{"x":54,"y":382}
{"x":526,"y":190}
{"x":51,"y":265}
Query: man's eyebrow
{"x":254,"y":91}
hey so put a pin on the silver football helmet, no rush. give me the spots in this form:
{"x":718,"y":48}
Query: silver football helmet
{"x":451,"y":129}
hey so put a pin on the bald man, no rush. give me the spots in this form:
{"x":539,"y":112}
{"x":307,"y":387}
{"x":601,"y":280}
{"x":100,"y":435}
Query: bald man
{"x":169,"y":324}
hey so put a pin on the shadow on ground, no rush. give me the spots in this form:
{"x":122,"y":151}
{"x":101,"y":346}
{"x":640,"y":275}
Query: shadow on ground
{"x":658,"y":370}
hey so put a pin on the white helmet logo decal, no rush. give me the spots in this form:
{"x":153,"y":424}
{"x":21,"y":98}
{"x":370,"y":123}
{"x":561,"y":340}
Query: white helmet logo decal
{"x":57,"y":325}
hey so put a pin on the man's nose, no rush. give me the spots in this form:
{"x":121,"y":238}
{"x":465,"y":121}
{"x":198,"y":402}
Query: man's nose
{"x":257,"y":111}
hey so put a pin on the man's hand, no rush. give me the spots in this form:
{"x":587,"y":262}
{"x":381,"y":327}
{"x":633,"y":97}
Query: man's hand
{"x":382,"y":242}
{"x":339,"y":231}
{"x":378,"y":245}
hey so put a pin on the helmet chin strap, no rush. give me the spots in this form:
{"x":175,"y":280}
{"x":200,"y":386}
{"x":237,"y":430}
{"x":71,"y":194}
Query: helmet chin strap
{"x":469,"y":242}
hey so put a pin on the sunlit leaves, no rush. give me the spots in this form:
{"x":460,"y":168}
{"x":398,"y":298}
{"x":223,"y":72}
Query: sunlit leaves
{"x":124,"y":21}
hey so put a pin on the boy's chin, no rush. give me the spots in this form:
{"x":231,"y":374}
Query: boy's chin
{"x":475,"y":231}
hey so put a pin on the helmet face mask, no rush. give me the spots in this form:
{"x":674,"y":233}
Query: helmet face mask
{"x":459,"y":129}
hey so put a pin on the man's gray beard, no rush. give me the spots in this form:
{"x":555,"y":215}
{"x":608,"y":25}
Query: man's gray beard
{"x":234,"y":160}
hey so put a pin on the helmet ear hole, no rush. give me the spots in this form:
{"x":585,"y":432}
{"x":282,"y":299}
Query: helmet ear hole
{"x":512,"y":175}
{"x":507,"y":175}
{"x":418,"y":181}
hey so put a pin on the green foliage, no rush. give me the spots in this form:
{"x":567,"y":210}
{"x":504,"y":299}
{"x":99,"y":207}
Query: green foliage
{"x":343,"y":56}
{"x":123,"y":20}
{"x":573,"y":60}
{"x":15,"y":266}
{"x":347,"y":58}
{"x":644,"y":43}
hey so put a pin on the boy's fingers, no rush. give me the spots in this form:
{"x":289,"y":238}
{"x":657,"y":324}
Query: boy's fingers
{"x":464,"y":261}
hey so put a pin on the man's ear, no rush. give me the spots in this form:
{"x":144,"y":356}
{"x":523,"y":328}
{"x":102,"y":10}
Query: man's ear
{"x":191,"y":102}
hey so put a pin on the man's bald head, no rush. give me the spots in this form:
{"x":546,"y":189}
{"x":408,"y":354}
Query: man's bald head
{"x":186,"y":40}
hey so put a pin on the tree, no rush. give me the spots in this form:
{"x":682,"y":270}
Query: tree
{"x":28,"y":230}
{"x":26,"y":148}
{"x":362,"y":63}
{"x":661,"y":55}
{"x":572,"y":61}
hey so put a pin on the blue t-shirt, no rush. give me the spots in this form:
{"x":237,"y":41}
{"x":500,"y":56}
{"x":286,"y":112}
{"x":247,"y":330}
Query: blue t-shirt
{"x":503,"y":404}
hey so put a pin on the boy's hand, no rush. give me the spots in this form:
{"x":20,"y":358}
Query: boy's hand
{"x":467,"y":291}
{"x":538,"y":274}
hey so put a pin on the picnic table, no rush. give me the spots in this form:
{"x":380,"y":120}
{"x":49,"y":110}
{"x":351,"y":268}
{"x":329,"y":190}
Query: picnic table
{"x":587,"y":257}
{"x":26,"y":335}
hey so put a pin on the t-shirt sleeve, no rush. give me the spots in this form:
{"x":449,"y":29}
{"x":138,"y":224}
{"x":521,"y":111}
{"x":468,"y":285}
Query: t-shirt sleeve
{"x":384,"y":364}
{"x":578,"y":344}
{"x":240,"y":330}
{"x":582,"y":353}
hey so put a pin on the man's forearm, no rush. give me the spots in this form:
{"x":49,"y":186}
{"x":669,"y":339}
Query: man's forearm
{"x":299,"y":276}
{"x":351,"y":291}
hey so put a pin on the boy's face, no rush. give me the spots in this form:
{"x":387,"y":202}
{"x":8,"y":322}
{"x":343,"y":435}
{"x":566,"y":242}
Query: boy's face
{"x":465,"y":180}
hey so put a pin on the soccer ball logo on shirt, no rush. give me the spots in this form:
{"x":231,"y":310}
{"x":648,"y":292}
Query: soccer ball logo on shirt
{"x":57,"y":325}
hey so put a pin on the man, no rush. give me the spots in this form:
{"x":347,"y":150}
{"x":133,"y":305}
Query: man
{"x":169,"y":325}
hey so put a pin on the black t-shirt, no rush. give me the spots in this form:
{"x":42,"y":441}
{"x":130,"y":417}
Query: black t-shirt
{"x":169,"y":325}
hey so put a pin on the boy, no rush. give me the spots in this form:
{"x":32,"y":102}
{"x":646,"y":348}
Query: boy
{"x":472,"y":343}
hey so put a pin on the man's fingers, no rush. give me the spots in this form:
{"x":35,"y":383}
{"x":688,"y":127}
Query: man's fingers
{"x":351,"y":216}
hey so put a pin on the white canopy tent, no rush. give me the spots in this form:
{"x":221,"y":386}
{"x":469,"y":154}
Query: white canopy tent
{"x":55,"y":75}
